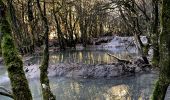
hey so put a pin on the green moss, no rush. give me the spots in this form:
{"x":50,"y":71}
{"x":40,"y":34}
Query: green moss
{"x":146,"y":49}
{"x":14,"y":66}
{"x":164,"y":47}
{"x":156,"y":55}
{"x":12,"y":61}
{"x":47,"y":94}
{"x":155,"y":62}
{"x":160,"y":90}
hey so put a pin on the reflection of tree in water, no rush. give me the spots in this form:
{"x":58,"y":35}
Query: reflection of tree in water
{"x":35,"y":89}
{"x":119,"y":92}
{"x":89,"y":91}
{"x":139,"y":88}
{"x":87,"y":57}
{"x":142,"y":89}
{"x":135,"y":87}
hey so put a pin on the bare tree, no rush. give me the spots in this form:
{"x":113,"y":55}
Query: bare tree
{"x":47,"y":94}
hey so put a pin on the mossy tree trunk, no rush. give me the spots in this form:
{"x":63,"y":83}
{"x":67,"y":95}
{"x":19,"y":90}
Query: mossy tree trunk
{"x":164,"y":46}
{"x":12,"y":61}
{"x":47,"y":94}
{"x":155,"y":34}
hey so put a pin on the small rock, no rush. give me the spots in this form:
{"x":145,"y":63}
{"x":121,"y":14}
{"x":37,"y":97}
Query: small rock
{"x":26,"y":70}
{"x":137,"y":69}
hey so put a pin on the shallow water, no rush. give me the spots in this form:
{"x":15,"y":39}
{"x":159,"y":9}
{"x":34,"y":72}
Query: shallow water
{"x":137,"y":87}
{"x":83,"y":56}
{"x":126,"y":88}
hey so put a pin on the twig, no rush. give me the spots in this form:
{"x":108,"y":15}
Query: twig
{"x":113,"y":56}
{"x":129,"y":45}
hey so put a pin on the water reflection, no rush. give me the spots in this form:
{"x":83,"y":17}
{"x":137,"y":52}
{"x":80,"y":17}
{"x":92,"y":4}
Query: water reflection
{"x":84,"y":56}
{"x":131,"y":88}
{"x":119,"y":92}
{"x":137,"y":87}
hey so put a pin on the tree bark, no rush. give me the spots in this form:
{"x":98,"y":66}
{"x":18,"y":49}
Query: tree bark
{"x":12,"y":61}
{"x":31,"y":23}
{"x":47,"y":94}
{"x":61,"y":39}
{"x":155,"y":34}
{"x":164,"y":46}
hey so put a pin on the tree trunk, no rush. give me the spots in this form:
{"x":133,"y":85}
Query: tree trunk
{"x":164,"y":46}
{"x":135,"y":30}
{"x":31,"y":23}
{"x":12,"y":61}
{"x":155,"y":34}
{"x":15,"y":24}
{"x":47,"y":94}
{"x":141,"y":48}
{"x":59,"y":32}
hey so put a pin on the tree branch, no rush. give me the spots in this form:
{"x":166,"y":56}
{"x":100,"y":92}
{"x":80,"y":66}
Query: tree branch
{"x":120,"y":60}
{"x":6,"y":92}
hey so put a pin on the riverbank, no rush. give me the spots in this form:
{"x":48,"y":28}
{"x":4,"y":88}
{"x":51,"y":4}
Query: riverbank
{"x":79,"y":70}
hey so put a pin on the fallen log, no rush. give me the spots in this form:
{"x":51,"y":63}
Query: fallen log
{"x":120,"y":60}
